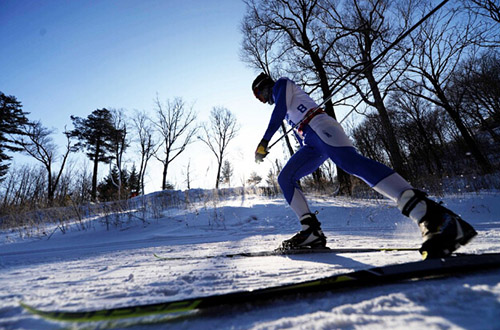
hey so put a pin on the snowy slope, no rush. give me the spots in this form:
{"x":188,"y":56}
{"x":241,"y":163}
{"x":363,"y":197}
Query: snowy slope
{"x":99,"y":268}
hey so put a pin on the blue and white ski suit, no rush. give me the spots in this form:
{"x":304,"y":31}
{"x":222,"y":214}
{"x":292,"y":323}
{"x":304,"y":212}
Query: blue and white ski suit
{"x":323,"y":138}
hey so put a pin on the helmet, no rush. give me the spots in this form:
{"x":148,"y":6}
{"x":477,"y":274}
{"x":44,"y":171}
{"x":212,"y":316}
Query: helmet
{"x":262,"y":88}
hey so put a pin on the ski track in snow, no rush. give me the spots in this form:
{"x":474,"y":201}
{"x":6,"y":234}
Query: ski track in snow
{"x":96,"y":268}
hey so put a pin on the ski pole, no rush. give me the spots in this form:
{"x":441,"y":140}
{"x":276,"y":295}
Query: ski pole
{"x":346,"y":75}
{"x":383,"y":77}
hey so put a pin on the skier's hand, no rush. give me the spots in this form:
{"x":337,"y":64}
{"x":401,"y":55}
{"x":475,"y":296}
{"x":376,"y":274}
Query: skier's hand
{"x":261,"y":151}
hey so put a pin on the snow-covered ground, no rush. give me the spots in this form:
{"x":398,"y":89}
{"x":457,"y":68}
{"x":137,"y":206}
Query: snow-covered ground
{"x":100,"y":268}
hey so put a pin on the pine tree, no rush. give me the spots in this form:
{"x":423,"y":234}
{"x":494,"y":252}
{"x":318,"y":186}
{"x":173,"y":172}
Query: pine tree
{"x":95,"y":134}
{"x":108,"y":188}
{"x":12,"y":121}
{"x":134,"y":182}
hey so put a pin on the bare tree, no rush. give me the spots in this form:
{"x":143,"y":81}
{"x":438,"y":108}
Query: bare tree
{"x":218,"y":133}
{"x":257,"y":51}
{"x":82,"y":185}
{"x":444,"y":40}
{"x":417,"y":112}
{"x":487,"y":8}
{"x":369,"y":27}
{"x":367,"y":140}
{"x":24,"y":186}
{"x":487,"y":18}
{"x":290,"y":36}
{"x":480,"y":78}
{"x":147,"y":143}
{"x":187,"y":173}
{"x":176,"y":125}
{"x":40,"y":145}
{"x":119,"y":145}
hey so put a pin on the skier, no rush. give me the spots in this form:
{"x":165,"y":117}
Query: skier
{"x":322,"y":137}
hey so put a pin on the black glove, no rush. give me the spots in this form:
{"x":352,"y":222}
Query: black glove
{"x":261,"y":151}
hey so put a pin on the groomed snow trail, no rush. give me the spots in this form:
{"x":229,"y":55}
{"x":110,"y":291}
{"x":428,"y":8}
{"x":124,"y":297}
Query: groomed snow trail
{"x":97,"y":268}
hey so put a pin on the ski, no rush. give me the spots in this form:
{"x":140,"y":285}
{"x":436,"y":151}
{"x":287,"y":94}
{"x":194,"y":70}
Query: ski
{"x":418,"y":270}
{"x":278,"y":252}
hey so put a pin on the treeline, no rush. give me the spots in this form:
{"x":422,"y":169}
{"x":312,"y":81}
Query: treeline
{"x":429,"y":139}
{"x":105,"y":136}
{"x":430,"y":105}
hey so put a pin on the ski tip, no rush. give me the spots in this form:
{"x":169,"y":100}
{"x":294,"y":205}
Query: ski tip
{"x":24,"y":305}
{"x":31,"y":309}
{"x":28,"y":307}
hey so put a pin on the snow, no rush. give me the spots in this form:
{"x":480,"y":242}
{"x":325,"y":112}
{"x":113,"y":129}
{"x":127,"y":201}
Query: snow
{"x":101,"y":267}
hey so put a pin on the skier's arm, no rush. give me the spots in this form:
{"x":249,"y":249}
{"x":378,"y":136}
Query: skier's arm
{"x":279,"y":112}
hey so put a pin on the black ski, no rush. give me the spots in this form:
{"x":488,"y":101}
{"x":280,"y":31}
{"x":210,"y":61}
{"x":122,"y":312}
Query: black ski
{"x":425,"y":269}
{"x":278,"y":252}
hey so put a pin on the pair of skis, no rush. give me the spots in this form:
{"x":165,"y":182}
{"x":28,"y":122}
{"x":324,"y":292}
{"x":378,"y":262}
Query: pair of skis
{"x":418,"y":270}
{"x":279,"y":252}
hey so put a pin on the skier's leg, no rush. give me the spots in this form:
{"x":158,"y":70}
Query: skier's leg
{"x":377,"y":175}
{"x":302,"y":163}
{"x":305,"y":161}
{"x":443,"y":231}
{"x":329,"y":138}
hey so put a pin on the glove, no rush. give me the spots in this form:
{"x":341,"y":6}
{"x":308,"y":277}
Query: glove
{"x":261,"y":151}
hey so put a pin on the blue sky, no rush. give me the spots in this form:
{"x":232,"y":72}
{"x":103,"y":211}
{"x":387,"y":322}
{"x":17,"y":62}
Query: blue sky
{"x":62,"y":58}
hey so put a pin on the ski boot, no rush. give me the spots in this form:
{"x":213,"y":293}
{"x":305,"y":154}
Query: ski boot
{"x":311,"y":235}
{"x":442,"y":230}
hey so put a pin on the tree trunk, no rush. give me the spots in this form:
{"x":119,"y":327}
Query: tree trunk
{"x":345,"y":185}
{"x":219,"y":166}
{"x":164,"y":177}
{"x":468,"y":139}
{"x":50,"y":188}
{"x":392,"y":144}
{"x":430,"y":146}
{"x":93,"y":194}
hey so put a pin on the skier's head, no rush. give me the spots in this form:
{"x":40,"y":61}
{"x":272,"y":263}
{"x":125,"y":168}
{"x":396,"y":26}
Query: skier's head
{"x":262,"y":88}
